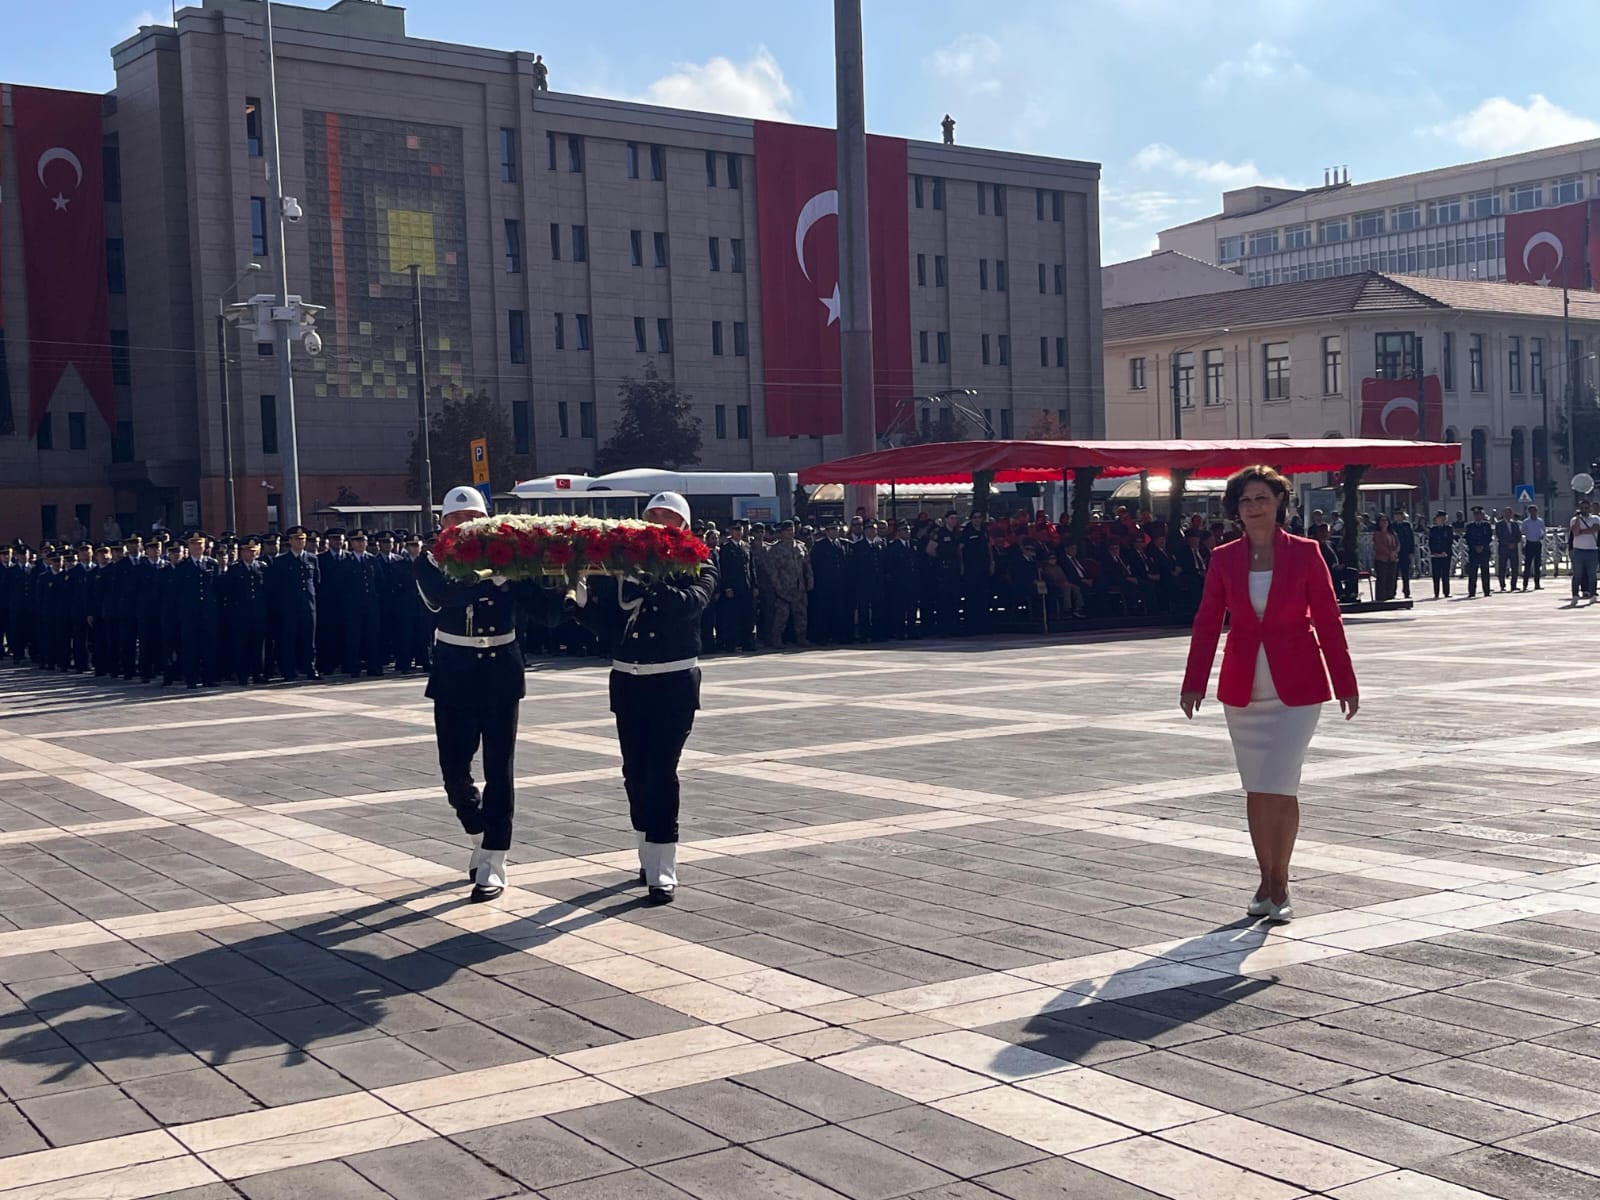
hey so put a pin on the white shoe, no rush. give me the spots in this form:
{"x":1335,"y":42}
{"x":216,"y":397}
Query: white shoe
{"x":476,"y":859}
{"x":1280,"y":914}
{"x":1259,"y":906}
{"x":490,"y":880}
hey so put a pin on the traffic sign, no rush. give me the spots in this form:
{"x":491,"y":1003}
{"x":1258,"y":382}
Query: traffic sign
{"x":1523,"y":493}
{"x":480,"y":460}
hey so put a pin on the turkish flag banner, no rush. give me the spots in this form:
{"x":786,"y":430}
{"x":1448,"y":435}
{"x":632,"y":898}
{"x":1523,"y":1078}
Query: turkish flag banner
{"x":1546,"y":246}
{"x":797,"y":210}
{"x":62,"y":203}
{"x":7,"y":423}
{"x":1391,"y":408}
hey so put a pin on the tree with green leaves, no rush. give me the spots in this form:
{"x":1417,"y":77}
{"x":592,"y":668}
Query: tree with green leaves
{"x":452,"y":428}
{"x":658,"y":427}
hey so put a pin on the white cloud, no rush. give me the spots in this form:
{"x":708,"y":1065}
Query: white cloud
{"x":1501,"y":126}
{"x":1262,"y":63}
{"x":755,"y":88}
{"x":967,"y":61}
{"x":1158,"y":156}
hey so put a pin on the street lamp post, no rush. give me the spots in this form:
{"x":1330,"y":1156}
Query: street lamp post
{"x":423,"y":449}
{"x":229,"y":502}
{"x":1172,"y":369}
{"x":284,"y":316}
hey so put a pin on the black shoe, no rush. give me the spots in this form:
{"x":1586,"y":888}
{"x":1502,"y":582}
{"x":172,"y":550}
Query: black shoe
{"x":480,"y":893}
{"x":641,"y":880}
{"x":660,"y":895}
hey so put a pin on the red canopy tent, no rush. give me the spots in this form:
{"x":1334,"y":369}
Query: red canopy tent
{"x":1039,"y":462}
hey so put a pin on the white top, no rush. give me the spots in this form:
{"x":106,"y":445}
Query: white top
{"x":1583,"y":531}
{"x":1260,"y":586}
{"x":1533,"y":529}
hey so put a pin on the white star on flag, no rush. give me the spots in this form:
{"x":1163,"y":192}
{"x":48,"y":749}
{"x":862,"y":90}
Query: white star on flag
{"x":831,"y":303}
{"x":60,"y":202}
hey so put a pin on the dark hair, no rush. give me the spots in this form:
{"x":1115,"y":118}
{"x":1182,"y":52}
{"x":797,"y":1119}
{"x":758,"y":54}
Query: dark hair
{"x":1240,"y":480}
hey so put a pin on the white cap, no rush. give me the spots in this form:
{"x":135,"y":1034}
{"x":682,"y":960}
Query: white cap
{"x":464,"y":499}
{"x":670,"y":501}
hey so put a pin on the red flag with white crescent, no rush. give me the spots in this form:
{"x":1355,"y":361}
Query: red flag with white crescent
{"x":7,"y":421}
{"x":797,"y":207}
{"x":1392,"y":408}
{"x":1547,"y":246}
{"x":61,"y":196}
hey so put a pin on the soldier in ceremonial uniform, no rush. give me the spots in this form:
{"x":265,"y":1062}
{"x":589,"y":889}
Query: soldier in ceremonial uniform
{"x":362,"y":612}
{"x":77,"y":601}
{"x":413,"y":621}
{"x":736,"y":608}
{"x":195,"y":590}
{"x":332,"y":579}
{"x":125,"y":629}
{"x":652,"y":630}
{"x":476,"y":685}
{"x":146,"y":611}
{"x":293,"y":602}
{"x":245,"y":587}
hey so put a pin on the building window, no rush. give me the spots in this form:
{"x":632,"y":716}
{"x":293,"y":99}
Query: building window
{"x":633,"y":160}
{"x":733,"y":171}
{"x":1566,"y":190}
{"x":1038,"y":204}
{"x":736,"y":255}
{"x":999,"y":199}
{"x":508,"y":155}
{"x":45,"y":438}
{"x":1005,"y":349}
{"x":122,"y":443}
{"x":561,"y":334}
{"x":1475,"y":361}
{"x":1060,"y":279}
{"x":1055,"y":206}
{"x":1407,"y":216}
{"x":1061,"y":354}
{"x":922,"y":346}
{"x":1042,"y":286}
{"x":658,"y":164}
{"x":258,"y":225}
{"x":1513,"y":364}
{"x":938,"y":270}
{"x":1214,"y":377}
{"x":1393,"y":355}
{"x":1264,"y":242}
{"x":741,"y":422}
{"x":574,"y":153}
{"x":580,"y":243}
{"x":711,"y":168}
{"x":514,"y":247}
{"x":555,"y":242}
{"x":1183,"y":378}
{"x":1044,"y":352}
{"x":942,"y":342}
{"x":586,"y":426}
{"x":639,"y":343}
{"x":1136,"y":374}
{"x":741,"y":339}
{"x":1296,"y":237}
{"x":1480,"y":462}
{"x":252,"y":126}
{"x":922,"y":270}
{"x":1518,"y":457}
{"x":1525,"y":196}
{"x":983,"y":200}
{"x":1275,"y":362}
{"x":1332,"y":365}
{"x":938,"y":193}
{"x":1483,"y":204}
{"x":983,"y":353}
{"x":116,"y":267}
{"x":1336,"y":230}
{"x":550,"y":151}
{"x":1368,"y":224}
{"x":520,"y":440}
{"x":716,"y":337}
{"x":1006,"y":427}
{"x":77,"y":431}
{"x":517,"y":335}
{"x":1444,"y":212}
{"x":1230,"y":249}
{"x":584,"y":340}
{"x":47,"y":520}
{"x":1535,"y":364}
{"x":1447,"y":361}
{"x":636,"y":246}
{"x":714,"y":246}
{"x":1001,"y":279}
{"x":983,"y":274}
{"x":561,"y":418}
{"x":264,"y":350}
{"x":664,"y":335}
{"x":269,"y":424}
{"x":721,"y":420}
{"x":916,"y":189}
{"x":122,"y":361}
{"x":111,"y":169}
{"x":660,"y":243}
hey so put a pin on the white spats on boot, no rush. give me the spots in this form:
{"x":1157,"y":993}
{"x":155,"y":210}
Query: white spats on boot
{"x":643,"y":878}
{"x":490,"y":879}
{"x":476,"y":859}
{"x":660,"y":863}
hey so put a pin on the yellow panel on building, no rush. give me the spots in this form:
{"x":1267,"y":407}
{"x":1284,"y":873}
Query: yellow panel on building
{"x":411,"y":241}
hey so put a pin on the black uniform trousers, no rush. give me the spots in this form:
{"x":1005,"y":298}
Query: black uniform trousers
{"x":460,"y":729}
{"x":297,"y":633}
{"x":1441,"y":574}
{"x":1477,"y":569}
{"x":151,"y":654}
{"x":1506,"y":565}
{"x":655,"y":714}
{"x":1532,"y":564}
{"x":1406,"y":561}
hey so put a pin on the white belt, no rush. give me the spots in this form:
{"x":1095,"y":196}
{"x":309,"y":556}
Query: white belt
{"x":481,"y":643}
{"x":666,"y":668}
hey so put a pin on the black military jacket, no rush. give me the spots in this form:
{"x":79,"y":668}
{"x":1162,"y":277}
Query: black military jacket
{"x":486,"y":613}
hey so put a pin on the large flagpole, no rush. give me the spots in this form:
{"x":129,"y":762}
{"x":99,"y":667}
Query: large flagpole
{"x":855,"y":272}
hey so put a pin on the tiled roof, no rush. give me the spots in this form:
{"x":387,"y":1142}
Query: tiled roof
{"x":1369,"y":291}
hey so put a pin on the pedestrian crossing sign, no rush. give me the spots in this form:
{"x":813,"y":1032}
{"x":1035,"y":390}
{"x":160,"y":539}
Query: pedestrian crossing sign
{"x":1523,"y":493}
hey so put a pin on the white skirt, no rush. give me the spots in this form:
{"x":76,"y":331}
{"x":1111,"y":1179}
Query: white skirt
{"x":1269,"y":743}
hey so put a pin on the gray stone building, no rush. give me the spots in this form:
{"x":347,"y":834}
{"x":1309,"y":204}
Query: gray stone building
{"x":565,"y":242}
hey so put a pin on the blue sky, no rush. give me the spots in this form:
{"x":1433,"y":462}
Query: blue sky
{"x":1178,"y":99}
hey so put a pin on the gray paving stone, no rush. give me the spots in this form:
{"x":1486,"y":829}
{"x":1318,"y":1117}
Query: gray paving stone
{"x":323,"y":1180}
{"x":85,"y":1115}
{"x":632,"y":1016}
{"x":1509,"y":1088}
{"x":733,"y":1111}
{"x":1346,"y":1046}
{"x":23,"y":1076}
{"x":737,"y":1172}
{"x":625,"y":1185}
{"x":1513,"y":1176}
{"x":274,"y":1082}
{"x":194,"y":1095}
{"x":1251,"y":1056}
{"x":952,"y":1145}
{"x":1566,"y":1145}
{"x":1462,"y":1116}
{"x":1373,"y":1134}
{"x":17,"y":1135}
{"x":426,"y":1170}
{"x":468,"y":1047}
{"x":1058,"y":1179}
{"x":379,"y":1062}
{"x":1413,"y":1026}
{"x":822,"y":1092}
{"x":553,"y":1031}
{"x":1215,"y":1087}
{"x":539,"y":1153}
{"x":850,"y":1164}
{"x":642,"y":1133}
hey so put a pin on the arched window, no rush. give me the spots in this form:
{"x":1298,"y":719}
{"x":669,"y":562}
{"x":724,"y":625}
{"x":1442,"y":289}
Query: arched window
{"x":1541,"y":458}
{"x":1480,"y":462}
{"x":1518,"y":456}
{"x":1450,"y":435}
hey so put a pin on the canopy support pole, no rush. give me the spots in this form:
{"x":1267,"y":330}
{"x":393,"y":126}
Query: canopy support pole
{"x":982,"y":481}
{"x":1179,"y":480}
{"x":1082,"y":496}
{"x":1351,"y":512}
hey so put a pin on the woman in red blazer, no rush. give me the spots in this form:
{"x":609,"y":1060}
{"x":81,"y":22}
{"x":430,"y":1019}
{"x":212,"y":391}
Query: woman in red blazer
{"x":1285,"y":639}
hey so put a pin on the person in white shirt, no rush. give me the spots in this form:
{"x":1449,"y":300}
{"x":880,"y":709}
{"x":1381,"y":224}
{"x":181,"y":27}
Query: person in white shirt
{"x":1532,"y":548}
{"x":1581,"y":540}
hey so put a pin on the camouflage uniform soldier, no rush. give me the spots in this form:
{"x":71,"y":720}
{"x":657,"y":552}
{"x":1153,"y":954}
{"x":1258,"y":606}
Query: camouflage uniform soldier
{"x":789,"y":570}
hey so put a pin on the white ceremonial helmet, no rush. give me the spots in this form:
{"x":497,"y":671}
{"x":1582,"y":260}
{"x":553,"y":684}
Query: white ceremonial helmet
{"x":671,"y":502}
{"x":464,"y":499}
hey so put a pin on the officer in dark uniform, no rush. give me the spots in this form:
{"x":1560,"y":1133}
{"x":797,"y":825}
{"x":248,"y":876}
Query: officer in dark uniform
{"x":332,"y":583}
{"x":270,"y":543}
{"x":476,"y":685}
{"x":830,"y":597}
{"x":48,"y":612}
{"x":19,"y":614}
{"x":8,"y":581}
{"x":1479,"y":536}
{"x":195,"y":587}
{"x":146,"y":611}
{"x":977,"y":575}
{"x":293,"y":590}
{"x":944,"y":554}
{"x":403,"y":602}
{"x":362,"y":608}
{"x":652,"y":630}
{"x":899,"y":582}
{"x":736,"y":607}
{"x":76,"y":607}
{"x":245,"y":586}
{"x":125,"y":625}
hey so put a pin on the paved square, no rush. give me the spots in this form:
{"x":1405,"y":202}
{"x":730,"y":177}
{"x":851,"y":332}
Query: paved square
{"x":958,"y":920}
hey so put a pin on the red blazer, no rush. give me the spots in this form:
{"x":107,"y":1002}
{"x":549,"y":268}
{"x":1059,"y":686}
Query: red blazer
{"x":1301,"y":600}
